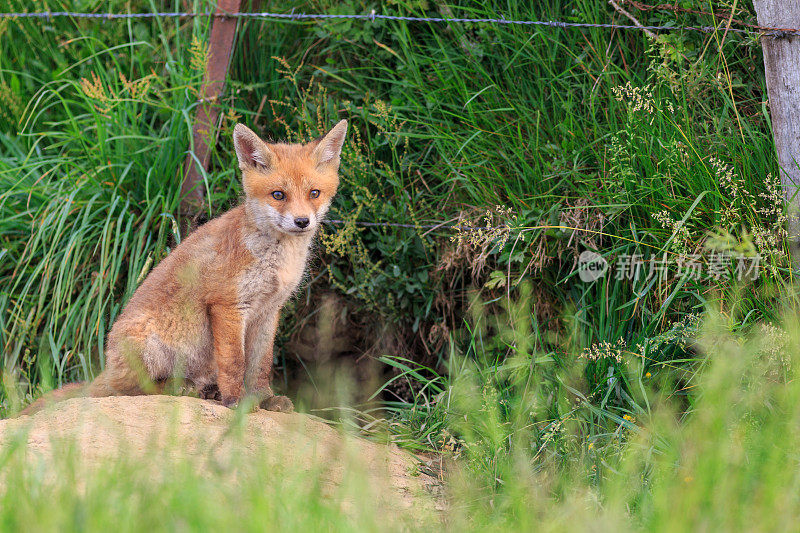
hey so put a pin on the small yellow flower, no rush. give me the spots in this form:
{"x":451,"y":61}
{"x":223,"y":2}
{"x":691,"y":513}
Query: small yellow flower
{"x":629,"y":418}
{"x":591,"y":445}
{"x":688,"y":479}
{"x":648,"y":375}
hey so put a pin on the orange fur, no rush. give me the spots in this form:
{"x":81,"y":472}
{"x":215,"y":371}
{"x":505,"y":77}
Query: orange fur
{"x":209,"y":310}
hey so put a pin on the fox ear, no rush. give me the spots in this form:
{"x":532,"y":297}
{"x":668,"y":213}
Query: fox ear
{"x":251,"y":151}
{"x":329,"y":146}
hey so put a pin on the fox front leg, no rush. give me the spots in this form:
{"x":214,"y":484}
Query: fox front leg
{"x":226,"y":328}
{"x":263,"y":352}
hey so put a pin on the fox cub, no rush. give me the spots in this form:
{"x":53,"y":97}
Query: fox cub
{"x":208,"y":312}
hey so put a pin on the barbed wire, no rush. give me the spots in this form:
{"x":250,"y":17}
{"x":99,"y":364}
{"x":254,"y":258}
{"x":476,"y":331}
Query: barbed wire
{"x":442,"y":225}
{"x":373,"y":16}
{"x":429,"y":227}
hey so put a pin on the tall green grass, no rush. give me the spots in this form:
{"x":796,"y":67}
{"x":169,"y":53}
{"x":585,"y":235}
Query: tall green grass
{"x":448,"y":122}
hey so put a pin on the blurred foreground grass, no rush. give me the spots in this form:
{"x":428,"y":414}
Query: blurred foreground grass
{"x":730,"y":463}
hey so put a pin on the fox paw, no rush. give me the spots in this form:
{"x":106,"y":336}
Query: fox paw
{"x":210,"y":392}
{"x":230,"y":402}
{"x":279,"y":404}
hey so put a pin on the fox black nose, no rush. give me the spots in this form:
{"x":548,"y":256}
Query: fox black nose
{"x":301,"y":222}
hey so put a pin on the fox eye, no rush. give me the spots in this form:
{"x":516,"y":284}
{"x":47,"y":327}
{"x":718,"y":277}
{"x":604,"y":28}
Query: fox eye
{"x":314,"y":193}
{"x":278,"y":195}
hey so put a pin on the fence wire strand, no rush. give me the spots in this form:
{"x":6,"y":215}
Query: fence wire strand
{"x":429,"y":227}
{"x":373,"y":16}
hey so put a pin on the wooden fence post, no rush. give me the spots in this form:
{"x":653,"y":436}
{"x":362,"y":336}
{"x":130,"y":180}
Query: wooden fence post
{"x":220,"y":48}
{"x":782,"y":68}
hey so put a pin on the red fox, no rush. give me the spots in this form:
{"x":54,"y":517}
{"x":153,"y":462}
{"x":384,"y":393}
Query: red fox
{"x":209,"y":311}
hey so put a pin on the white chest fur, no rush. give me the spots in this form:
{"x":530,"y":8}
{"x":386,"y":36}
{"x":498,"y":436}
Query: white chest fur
{"x":277,"y":269}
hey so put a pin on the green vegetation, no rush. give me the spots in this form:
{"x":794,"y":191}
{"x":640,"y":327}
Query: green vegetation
{"x":729,"y":464}
{"x":565,"y":404}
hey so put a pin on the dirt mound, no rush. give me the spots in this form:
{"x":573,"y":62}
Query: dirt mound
{"x":210,"y":435}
